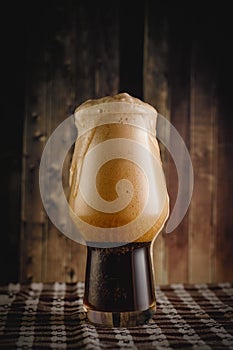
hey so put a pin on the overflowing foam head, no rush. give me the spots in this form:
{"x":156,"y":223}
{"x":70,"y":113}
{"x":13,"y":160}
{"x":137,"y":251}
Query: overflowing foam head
{"x":117,"y":186}
{"x":132,"y":102}
{"x":121,"y":109}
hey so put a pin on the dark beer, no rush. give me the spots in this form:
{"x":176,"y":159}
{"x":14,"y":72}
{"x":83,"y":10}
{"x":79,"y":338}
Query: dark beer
{"x":118,"y":194}
{"x":119,"y":284}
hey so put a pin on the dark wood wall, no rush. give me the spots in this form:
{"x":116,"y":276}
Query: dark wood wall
{"x":179,"y":60}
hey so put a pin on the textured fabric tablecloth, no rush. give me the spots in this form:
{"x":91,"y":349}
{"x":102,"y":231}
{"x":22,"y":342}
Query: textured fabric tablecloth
{"x":40,"y":316}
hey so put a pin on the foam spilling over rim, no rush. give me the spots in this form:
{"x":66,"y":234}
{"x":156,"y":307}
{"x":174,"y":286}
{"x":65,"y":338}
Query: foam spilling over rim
{"x":121,"y":108}
{"x":106,"y":104}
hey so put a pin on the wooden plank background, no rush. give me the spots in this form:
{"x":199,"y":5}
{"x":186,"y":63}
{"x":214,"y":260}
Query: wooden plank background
{"x":163,"y":55}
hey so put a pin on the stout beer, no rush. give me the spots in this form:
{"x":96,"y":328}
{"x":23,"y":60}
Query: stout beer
{"x":119,"y":203}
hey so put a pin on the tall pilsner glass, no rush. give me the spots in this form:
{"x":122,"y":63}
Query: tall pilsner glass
{"x":119,"y":202}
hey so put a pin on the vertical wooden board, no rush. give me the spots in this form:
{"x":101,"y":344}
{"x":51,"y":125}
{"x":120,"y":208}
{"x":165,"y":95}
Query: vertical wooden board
{"x":203,"y":154}
{"x":60,"y":101}
{"x":224,"y":239}
{"x":57,"y":254}
{"x":224,"y":140}
{"x":156,"y":92}
{"x":31,"y":253}
{"x":34,"y":140}
{"x":224,"y":184}
{"x":84,"y":51}
{"x":77,"y":267}
{"x":131,"y":42}
{"x":179,"y":82}
{"x":106,"y":49}
{"x":32,"y":215}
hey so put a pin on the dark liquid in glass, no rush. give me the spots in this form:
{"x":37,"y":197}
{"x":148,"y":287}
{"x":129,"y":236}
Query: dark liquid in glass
{"x":120,"y":280}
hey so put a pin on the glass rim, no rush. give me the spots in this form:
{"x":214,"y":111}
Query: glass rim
{"x":123,"y":107}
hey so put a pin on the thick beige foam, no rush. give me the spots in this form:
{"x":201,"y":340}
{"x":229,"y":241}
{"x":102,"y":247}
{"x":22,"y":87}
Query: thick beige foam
{"x":122,"y":97}
{"x":116,"y":169}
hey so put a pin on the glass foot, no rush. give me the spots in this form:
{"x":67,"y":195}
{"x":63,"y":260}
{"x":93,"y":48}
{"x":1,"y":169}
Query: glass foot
{"x":120,"y":319}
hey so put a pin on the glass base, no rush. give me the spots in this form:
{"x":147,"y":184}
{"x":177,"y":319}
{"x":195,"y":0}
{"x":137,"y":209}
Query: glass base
{"x":120,"y":319}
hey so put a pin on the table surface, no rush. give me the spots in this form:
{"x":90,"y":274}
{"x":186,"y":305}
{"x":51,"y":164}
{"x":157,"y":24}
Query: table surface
{"x":188,"y":316}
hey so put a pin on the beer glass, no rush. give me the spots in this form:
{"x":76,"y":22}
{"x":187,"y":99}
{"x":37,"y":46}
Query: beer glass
{"x":119,"y":202}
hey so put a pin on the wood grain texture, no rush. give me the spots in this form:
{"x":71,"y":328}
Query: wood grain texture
{"x":156,"y":92}
{"x":79,"y":60}
{"x":224,"y":185}
{"x":177,"y":242}
{"x":203,"y":148}
{"x":60,"y":103}
{"x":75,"y":54}
{"x":33,"y":218}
